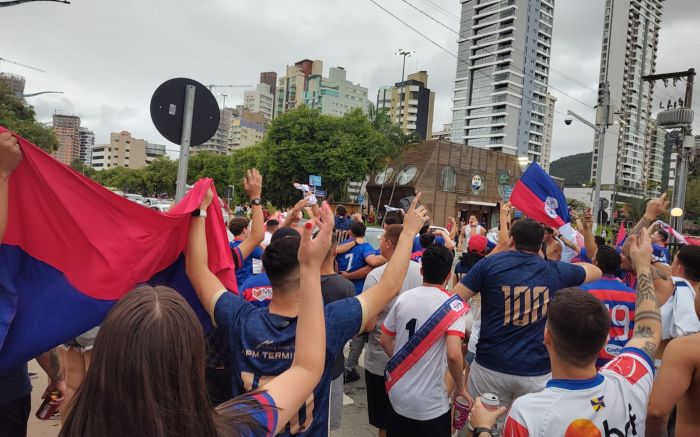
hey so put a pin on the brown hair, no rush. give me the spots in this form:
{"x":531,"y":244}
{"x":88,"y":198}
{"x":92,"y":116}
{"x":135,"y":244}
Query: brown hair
{"x":237,"y":225}
{"x":392,"y":234}
{"x":147,"y":375}
{"x":579,"y":325}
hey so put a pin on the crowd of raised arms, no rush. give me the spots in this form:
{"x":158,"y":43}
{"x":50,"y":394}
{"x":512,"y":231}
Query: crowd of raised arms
{"x":526,"y":334}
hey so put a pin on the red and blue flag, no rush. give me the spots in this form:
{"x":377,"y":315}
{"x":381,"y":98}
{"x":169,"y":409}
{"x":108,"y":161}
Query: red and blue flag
{"x":537,"y":196}
{"x":73,"y":248}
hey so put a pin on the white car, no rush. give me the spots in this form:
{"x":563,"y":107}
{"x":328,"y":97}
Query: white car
{"x":136,"y":198}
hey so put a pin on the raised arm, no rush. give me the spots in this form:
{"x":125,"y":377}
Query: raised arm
{"x":654,"y":209}
{"x":449,"y":242}
{"x":10,"y":156}
{"x":205,"y":283}
{"x":647,"y":319}
{"x":379,"y":296}
{"x":292,"y":387}
{"x":588,"y":238}
{"x":504,"y":228}
{"x":253,"y":187}
{"x":455,"y":228}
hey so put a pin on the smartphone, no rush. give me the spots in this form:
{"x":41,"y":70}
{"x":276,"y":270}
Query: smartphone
{"x":406,"y":203}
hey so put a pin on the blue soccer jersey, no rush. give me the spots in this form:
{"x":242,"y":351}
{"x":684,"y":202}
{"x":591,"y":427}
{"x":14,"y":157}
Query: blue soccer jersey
{"x":516,"y":289}
{"x":661,"y":254}
{"x":354,"y":259}
{"x":244,"y":266}
{"x":257,"y":290}
{"x":262,"y":347}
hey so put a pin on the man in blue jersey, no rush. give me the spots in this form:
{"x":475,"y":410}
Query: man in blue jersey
{"x":659,"y":239}
{"x":262,"y":339}
{"x":618,"y":298}
{"x":354,"y":265}
{"x":516,"y":288}
{"x":243,"y":260}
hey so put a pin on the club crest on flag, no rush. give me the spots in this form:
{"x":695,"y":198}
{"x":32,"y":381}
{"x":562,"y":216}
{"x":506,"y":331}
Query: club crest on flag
{"x":550,"y":206}
{"x":457,"y":305}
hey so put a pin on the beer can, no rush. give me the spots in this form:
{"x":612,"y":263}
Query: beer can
{"x":490,"y":401}
{"x":461,"y":413}
{"x":46,"y":410}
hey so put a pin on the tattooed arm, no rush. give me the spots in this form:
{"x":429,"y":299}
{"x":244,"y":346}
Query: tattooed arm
{"x":654,"y":209}
{"x":647,"y":320}
{"x":49,"y":362}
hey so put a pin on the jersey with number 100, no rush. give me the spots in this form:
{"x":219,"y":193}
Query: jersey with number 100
{"x":516,"y":288}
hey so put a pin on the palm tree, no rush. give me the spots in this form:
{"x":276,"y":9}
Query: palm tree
{"x":401,"y":142}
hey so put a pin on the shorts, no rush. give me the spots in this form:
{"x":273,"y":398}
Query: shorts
{"x":400,"y":426}
{"x":378,"y":404}
{"x":507,"y":387}
{"x":84,"y":342}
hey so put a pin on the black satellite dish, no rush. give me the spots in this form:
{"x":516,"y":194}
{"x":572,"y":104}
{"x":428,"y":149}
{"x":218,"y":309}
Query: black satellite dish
{"x":167,"y":110}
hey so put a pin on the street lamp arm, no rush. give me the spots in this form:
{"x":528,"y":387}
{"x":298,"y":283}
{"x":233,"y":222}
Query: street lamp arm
{"x":584,"y":121}
{"x":42,"y":92}
{"x":19,"y":2}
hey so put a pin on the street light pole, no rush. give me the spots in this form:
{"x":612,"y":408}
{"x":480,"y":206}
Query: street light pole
{"x":404,"y":53}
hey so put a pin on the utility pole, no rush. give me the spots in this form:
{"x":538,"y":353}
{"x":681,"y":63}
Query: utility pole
{"x":679,"y":118}
{"x":404,"y":53}
{"x":602,"y":122}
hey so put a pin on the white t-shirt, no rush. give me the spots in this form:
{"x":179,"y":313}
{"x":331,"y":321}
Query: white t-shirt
{"x":375,"y":357}
{"x":467,"y":232}
{"x":613,"y":403}
{"x":421,"y":394}
{"x":678,"y":317}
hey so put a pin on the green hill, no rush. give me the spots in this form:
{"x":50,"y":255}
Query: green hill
{"x":575,"y":169}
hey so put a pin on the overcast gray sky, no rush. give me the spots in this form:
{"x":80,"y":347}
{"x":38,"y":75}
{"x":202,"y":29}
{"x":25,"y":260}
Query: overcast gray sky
{"x":109,"y":56}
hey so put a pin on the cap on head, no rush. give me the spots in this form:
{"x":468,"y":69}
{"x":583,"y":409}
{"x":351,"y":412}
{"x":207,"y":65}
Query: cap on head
{"x":477,"y":244}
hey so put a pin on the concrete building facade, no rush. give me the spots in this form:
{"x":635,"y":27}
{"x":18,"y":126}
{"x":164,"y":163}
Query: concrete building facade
{"x":502,"y":77}
{"x":14,"y":82}
{"x":630,"y":42}
{"x":410,"y":104}
{"x":87,"y":140}
{"x":270,"y":78}
{"x":335,"y":95}
{"x":154,"y":151}
{"x":247,"y":129}
{"x":123,"y":150}
{"x":261,"y":100}
{"x":548,"y":131}
{"x":219,"y":143}
{"x":67,"y":130}
{"x":291,"y":86}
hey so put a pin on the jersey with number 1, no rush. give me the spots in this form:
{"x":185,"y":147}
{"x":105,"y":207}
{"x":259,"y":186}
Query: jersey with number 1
{"x":354,"y":259}
{"x":613,"y":403}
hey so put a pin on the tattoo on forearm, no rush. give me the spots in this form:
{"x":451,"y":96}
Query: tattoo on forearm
{"x":643,"y":331}
{"x":647,"y":315}
{"x":642,"y":223}
{"x":647,"y":321}
{"x":650,"y":348}
{"x":645,"y":288}
{"x":55,"y":365}
{"x":658,"y":274}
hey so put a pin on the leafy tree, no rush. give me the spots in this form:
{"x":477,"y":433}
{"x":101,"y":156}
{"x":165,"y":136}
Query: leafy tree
{"x":692,"y":199}
{"x":19,"y":117}
{"x":160,"y":176}
{"x":303,"y":142}
{"x":128,"y":180}
{"x":210,"y":165}
{"x":241,"y":161}
{"x":83,"y":168}
{"x":400,"y":142}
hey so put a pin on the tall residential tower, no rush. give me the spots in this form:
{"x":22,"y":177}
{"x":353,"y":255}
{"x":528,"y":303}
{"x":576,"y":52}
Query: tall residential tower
{"x":630,"y":41}
{"x":500,"y":93}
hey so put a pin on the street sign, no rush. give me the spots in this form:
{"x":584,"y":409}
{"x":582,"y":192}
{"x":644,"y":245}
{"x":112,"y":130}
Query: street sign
{"x":320,"y":193}
{"x":168,"y":111}
{"x":315,"y":181}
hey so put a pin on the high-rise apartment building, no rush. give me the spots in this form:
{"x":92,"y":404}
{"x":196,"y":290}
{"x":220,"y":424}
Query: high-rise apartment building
{"x":67,"y":130}
{"x":247,"y":128}
{"x":410,"y":104}
{"x":500,"y":93}
{"x":630,"y":41}
{"x":548,"y":130}
{"x":260,"y":100}
{"x":270,"y":78}
{"x":219,"y":143}
{"x":14,"y":82}
{"x":123,"y":150}
{"x":334,"y":95}
{"x":656,"y":160}
{"x":87,"y":140}
{"x":292,"y":86}
{"x":154,"y":151}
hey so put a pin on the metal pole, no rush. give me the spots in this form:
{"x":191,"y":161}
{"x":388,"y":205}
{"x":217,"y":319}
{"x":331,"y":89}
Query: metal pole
{"x":188,"y":112}
{"x":601,"y":149}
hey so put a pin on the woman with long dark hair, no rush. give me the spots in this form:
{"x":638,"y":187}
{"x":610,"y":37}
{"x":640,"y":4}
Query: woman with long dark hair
{"x":147,"y":372}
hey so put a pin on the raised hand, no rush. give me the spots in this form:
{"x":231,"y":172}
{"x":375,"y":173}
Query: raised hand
{"x":206,"y":201}
{"x":656,"y":207}
{"x":506,"y":208}
{"x":10,"y":153}
{"x":588,"y":220}
{"x":416,"y":216}
{"x":640,"y":250}
{"x":312,"y":252}
{"x":252,"y":183}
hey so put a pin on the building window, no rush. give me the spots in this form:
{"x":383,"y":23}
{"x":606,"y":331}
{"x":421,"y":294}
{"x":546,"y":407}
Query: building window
{"x":406,"y":175}
{"x":449,"y":179}
{"x":384,"y":177}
